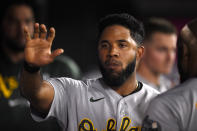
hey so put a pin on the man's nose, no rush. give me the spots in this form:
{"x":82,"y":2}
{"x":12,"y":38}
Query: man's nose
{"x":113,"y":52}
{"x":21,"y":27}
{"x":171,"y":55}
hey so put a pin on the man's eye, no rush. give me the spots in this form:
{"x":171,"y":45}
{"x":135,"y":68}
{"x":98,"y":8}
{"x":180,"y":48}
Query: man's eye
{"x":104,"y":45}
{"x":162,"y":49}
{"x":122,"y":45}
{"x":27,"y":21}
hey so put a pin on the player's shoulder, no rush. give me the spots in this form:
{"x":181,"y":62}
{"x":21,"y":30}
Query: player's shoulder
{"x":71,"y":81}
{"x":178,"y":94}
{"x":149,"y":89}
{"x":83,"y":83}
{"x":147,"y":92}
{"x":91,"y":82}
{"x":189,"y":86}
{"x":66,"y":82}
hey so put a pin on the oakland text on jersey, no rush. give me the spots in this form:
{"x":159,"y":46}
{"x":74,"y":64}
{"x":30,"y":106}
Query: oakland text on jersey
{"x":87,"y":125}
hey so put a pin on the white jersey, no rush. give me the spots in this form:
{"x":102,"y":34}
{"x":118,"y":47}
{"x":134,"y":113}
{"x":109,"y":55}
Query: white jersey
{"x":165,"y":83}
{"x":176,"y":110}
{"x":91,"y":106}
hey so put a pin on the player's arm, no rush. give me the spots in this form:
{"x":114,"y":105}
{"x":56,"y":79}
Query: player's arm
{"x":37,"y":54}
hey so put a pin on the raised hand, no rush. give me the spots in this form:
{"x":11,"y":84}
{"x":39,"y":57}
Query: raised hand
{"x":38,"y":49}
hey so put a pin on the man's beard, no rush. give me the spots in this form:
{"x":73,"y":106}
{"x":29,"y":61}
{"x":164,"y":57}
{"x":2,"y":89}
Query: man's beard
{"x":14,"y":45}
{"x":117,"y":80}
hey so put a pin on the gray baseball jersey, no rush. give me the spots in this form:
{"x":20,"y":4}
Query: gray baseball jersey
{"x":92,"y":105}
{"x":176,"y":110}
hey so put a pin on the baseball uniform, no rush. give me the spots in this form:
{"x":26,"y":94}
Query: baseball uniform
{"x":92,"y":105}
{"x":176,"y":110}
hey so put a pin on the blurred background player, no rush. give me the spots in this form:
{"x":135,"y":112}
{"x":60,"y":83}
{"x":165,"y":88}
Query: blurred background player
{"x":14,"y":111}
{"x":159,"y":56}
{"x":176,"y":109}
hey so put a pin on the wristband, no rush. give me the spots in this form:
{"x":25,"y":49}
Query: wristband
{"x":30,"y":69}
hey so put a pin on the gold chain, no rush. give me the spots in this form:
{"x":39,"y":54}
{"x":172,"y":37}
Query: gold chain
{"x":136,"y":84}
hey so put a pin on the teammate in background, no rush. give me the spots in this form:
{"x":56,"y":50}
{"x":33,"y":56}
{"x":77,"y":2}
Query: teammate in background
{"x":176,"y":110}
{"x":14,"y":110}
{"x":160,"y":50}
{"x":117,"y":101}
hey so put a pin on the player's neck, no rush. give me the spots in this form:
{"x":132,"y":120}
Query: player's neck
{"x":128,"y":86}
{"x":148,"y":74}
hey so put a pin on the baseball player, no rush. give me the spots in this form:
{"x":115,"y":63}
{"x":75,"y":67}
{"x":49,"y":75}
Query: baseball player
{"x":176,"y":110}
{"x":117,"y":101}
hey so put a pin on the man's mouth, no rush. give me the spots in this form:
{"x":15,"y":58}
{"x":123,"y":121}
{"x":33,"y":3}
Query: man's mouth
{"x":112,"y":64}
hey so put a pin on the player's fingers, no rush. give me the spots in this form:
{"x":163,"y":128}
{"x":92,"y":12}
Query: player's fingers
{"x":36,"y":30}
{"x":56,"y":53}
{"x":51,"y":35}
{"x":43,"y":31}
{"x":27,"y":34}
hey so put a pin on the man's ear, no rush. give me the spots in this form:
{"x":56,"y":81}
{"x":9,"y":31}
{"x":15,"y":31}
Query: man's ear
{"x":140,"y":52}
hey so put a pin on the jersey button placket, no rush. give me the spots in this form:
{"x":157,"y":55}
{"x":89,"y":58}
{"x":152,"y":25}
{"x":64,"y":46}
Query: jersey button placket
{"x":122,"y":109}
{"x":120,"y":113}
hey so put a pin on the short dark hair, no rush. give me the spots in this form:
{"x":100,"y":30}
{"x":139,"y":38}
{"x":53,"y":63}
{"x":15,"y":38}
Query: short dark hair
{"x":162,"y":25}
{"x":136,"y":27}
{"x":10,"y":3}
{"x":192,"y":25}
{"x":5,"y":7}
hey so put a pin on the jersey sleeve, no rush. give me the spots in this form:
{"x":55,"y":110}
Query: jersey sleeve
{"x":59,"y":107}
{"x":160,"y":112}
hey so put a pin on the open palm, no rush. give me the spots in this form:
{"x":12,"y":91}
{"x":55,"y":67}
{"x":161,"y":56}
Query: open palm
{"x":38,"y":49}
